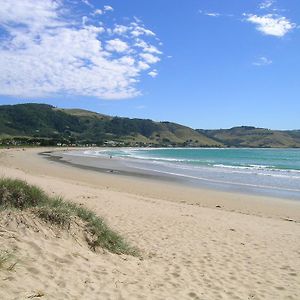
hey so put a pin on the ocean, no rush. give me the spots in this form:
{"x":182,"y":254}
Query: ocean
{"x":265,"y":171}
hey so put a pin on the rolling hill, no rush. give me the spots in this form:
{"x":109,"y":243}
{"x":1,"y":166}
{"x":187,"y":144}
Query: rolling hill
{"x":247,"y":136}
{"x":43,"y":124}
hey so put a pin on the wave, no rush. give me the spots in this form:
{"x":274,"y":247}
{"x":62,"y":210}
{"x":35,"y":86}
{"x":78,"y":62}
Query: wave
{"x":135,"y":153}
{"x":259,"y":168}
{"x":210,"y":169}
{"x":221,"y":181}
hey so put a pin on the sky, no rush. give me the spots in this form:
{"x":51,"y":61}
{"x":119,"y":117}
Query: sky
{"x":202,"y":63}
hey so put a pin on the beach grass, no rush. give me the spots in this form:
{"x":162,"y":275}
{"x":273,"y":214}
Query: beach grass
{"x":6,"y":258}
{"x":19,"y":195}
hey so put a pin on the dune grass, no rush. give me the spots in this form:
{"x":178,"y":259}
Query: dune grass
{"x":19,"y":195}
{"x":6,"y":258}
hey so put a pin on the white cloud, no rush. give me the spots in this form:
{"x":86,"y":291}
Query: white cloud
{"x":138,"y":30}
{"x":212,"y":14}
{"x":116,"y":45}
{"x":107,"y":8}
{"x":84,"y":20}
{"x":127,"y":60}
{"x":262,"y":61}
{"x":120,"y":29}
{"x":143,"y":65}
{"x":104,"y":10}
{"x":146,"y":47}
{"x":209,"y":14}
{"x":266,"y":4}
{"x":149,"y":58}
{"x":153,"y":73}
{"x":98,"y":12}
{"x":87,"y":3}
{"x":31,"y":13}
{"x":271,"y":24}
{"x":43,"y":53}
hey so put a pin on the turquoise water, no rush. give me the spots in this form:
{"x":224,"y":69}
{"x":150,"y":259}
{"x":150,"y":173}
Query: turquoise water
{"x":274,"y":172}
{"x":269,"y":159}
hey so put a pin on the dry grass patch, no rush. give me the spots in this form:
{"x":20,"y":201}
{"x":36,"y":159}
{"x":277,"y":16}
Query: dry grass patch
{"x":19,"y":195}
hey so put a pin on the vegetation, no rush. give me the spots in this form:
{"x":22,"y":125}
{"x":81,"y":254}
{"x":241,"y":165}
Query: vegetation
{"x":17,"y":194}
{"x":6,"y":258}
{"x":247,"y":136}
{"x":45,"y":125}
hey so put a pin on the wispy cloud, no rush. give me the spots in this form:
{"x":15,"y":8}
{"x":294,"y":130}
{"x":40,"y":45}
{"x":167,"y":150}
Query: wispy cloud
{"x":153,"y":73}
{"x":104,"y":10}
{"x":87,"y":2}
{"x":149,"y":58}
{"x":271,"y":24}
{"x":48,"y":49}
{"x":98,"y":12}
{"x":266,"y":4}
{"x":212,"y":14}
{"x":209,"y":13}
{"x":117,"y":45}
{"x":146,"y":47}
{"x":262,"y":61}
{"x":107,"y":8}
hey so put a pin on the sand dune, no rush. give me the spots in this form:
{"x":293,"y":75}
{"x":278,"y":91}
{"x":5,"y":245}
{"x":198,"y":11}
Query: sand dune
{"x":188,"y":251}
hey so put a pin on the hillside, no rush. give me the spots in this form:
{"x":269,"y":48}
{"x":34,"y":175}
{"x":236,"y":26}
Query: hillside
{"x":42,"y":124}
{"x":246,"y":136}
{"x":46,"y":125}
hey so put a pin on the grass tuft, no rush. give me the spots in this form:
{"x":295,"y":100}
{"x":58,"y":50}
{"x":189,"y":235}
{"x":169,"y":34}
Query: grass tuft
{"x":57,"y":216}
{"x":20,"y":195}
{"x":5,"y":260}
{"x":4,"y":257}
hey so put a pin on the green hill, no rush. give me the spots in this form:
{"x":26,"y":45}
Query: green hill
{"x":42,"y":124}
{"x":47,"y":125}
{"x":246,"y":136}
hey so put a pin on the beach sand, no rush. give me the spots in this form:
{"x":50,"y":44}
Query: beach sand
{"x":246,"y":248}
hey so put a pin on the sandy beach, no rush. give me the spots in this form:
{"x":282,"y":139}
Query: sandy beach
{"x":194,"y":243}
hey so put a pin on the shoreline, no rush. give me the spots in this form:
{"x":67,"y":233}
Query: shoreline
{"x":201,"y":177}
{"x":160,"y":187}
{"x":109,"y":167}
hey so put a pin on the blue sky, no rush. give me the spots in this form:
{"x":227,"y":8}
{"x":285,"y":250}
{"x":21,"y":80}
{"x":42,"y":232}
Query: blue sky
{"x":205,"y":64}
